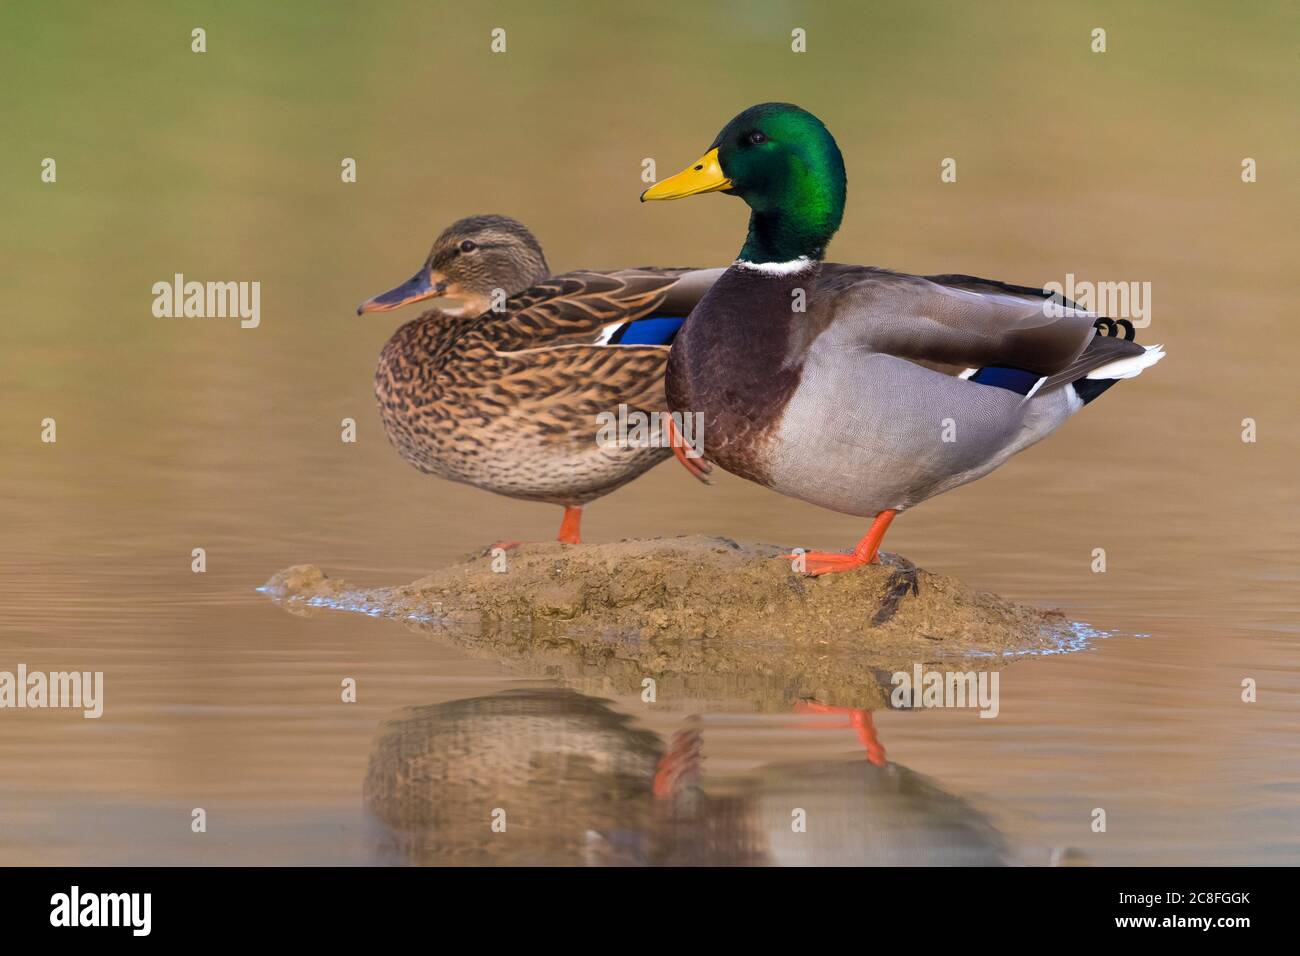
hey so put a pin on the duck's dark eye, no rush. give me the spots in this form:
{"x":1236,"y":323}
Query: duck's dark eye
{"x":758,"y":137}
{"x":468,"y":245}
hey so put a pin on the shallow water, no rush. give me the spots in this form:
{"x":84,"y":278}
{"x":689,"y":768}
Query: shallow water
{"x":179,"y":434}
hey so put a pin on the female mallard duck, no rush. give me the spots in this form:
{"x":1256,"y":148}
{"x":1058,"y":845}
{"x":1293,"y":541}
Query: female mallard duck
{"x":504,"y":391}
{"x":574,"y":776}
{"x":859,"y":389}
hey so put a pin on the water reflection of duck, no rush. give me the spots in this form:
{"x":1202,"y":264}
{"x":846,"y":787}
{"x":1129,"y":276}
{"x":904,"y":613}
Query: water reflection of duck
{"x":571,"y":775}
{"x":837,"y":813}
{"x":859,"y":813}
{"x":578,"y":785}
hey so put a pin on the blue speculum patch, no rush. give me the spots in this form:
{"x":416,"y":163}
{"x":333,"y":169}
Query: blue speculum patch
{"x":654,"y":330}
{"x":1012,"y":379}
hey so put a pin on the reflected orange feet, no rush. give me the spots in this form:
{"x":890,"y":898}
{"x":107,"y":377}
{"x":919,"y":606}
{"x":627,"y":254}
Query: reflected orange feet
{"x":696,"y":466}
{"x":571,"y":525}
{"x":680,"y":765}
{"x":867,"y":551}
{"x":858,"y":719}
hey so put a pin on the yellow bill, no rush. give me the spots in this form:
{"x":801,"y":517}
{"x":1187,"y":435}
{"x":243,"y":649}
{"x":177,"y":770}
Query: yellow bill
{"x":704,"y":176}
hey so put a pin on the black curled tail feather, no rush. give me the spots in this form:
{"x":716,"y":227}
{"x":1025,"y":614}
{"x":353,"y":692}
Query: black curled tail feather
{"x":1089,"y":388}
{"x":1111,"y":328}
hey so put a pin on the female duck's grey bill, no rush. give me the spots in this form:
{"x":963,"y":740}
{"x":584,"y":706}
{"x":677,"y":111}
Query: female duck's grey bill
{"x":419,"y":286}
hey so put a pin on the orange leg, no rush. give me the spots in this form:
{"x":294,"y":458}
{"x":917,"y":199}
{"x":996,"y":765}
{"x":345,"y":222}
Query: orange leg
{"x":680,"y":763}
{"x":867,"y":551}
{"x":696,"y":466}
{"x":858,"y":719}
{"x":569,"y":527}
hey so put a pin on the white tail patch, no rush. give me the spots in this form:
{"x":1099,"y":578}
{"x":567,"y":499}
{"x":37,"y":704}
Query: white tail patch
{"x":1130,"y":367}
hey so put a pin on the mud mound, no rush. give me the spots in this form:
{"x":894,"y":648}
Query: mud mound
{"x":707,"y":615}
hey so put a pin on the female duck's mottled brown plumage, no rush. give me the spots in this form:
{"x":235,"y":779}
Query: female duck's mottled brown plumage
{"x":571,"y":774}
{"x":507,"y":399}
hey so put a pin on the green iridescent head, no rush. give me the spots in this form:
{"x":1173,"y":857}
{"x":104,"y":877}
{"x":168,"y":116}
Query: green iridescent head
{"x":784,"y":163}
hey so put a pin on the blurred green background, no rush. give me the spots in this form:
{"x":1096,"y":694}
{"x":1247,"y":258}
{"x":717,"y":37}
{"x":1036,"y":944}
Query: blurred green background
{"x":226,"y":166}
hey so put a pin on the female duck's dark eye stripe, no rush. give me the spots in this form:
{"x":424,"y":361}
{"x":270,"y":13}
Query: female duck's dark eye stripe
{"x":455,"y":251}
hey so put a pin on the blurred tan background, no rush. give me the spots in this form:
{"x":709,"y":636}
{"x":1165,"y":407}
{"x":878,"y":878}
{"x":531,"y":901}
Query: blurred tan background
{"x":180,"y":433}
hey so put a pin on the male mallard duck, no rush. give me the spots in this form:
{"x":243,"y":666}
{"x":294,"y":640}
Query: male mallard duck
{"x":503,"y":392}
{"x":858,"y":401}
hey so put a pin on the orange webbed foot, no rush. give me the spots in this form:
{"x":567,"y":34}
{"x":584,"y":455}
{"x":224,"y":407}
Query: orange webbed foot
{"x":570,"y":531}
{"x":829,"y":562}
{"x":571,"y":526}
{"x":698,"y":467}
{"x":814,"y":563}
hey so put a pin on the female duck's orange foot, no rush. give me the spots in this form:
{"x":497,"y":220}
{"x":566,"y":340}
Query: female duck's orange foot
{"x":867,"y":551}
{"x":571,"y":525}
{"x":680,"y":765}
{"x":696,"y":466}
{"x":569,"y":530}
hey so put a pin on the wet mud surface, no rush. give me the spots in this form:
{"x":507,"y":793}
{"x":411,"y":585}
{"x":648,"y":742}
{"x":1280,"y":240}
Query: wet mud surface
{"x":705,"y":617}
